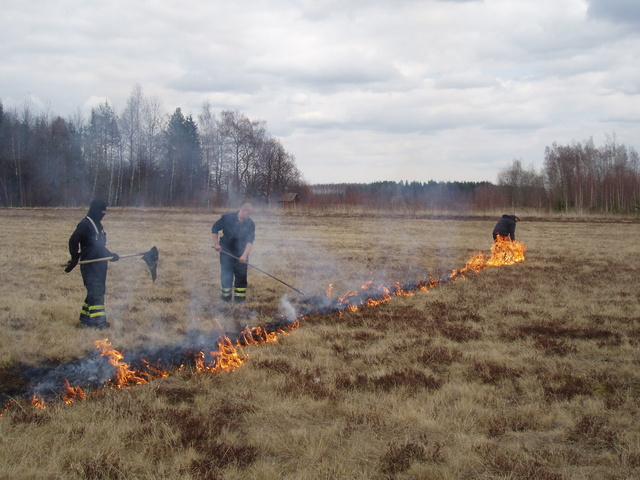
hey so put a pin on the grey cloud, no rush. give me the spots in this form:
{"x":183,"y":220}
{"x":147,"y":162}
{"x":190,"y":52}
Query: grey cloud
{"x":330,"y":72}
{"x":320,"y":10}
{"x":427,"y":113}
{"x":338,"y":77}
{"x":619,"y":11}
{"x":215,"y":80}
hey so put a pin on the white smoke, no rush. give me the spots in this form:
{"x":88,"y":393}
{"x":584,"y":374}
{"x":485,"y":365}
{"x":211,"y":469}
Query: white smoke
{"x":287,"y":310}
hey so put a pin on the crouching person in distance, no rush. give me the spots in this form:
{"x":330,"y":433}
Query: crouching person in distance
{"x":506,"y":227}
{"x":238,"y":235}
{"x":88,"y":242}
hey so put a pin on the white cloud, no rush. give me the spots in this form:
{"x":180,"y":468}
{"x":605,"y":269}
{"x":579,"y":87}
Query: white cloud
{"x":358,"y":90}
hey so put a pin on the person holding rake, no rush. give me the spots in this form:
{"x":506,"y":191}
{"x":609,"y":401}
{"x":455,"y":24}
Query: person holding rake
{"x":238,"y":235}
{"x":89,"y":242}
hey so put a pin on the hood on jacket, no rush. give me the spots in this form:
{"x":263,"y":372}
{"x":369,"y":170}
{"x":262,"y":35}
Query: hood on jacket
{"x":95,"y":210}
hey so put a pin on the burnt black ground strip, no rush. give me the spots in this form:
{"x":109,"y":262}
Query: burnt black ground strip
{"x":94,"y":371}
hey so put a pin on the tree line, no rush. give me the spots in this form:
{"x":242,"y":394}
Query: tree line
{"x":145,"y":157}
{"x":576,"y":177}
{"x":580,"y":176}
{"x":409,"y":195}
{"x":140,"y":157}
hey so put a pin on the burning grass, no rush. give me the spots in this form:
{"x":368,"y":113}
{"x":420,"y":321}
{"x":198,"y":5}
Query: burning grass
{"x":437,"y":367}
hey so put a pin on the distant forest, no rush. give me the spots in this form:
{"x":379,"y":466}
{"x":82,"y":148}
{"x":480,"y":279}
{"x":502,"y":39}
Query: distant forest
{"x":576,"y":177}
{"x":146,"y":157}
{"x":140,"y":157}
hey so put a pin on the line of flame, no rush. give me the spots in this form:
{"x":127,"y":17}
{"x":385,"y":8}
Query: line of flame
{"x":230,"y":355}
{"x":504,"y":251}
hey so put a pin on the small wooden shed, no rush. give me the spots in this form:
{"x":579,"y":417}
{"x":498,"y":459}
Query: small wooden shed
{"x":287,"y":200}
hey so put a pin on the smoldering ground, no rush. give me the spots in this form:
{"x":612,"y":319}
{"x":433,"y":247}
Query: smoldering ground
{"x":164,"y":346}
{"x":95,"y":371}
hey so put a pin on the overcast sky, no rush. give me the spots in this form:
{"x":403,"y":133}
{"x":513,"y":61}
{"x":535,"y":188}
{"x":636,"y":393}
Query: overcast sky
{"x":357,"y":91}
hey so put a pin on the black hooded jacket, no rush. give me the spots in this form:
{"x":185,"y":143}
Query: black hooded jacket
{"x":89,"y":240}
{"x":506,"y":227}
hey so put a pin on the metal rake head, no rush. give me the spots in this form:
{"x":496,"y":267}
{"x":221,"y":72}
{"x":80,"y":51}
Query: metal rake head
{"x":151,"y":259}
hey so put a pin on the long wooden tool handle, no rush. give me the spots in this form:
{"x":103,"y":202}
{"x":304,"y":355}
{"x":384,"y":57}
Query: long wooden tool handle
{"x":104,"y":259}
{"x":268,"y":274}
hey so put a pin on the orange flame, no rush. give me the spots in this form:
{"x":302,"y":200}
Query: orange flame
{"x":379,"y":295}
{"x":226,"y":358}
{"x":229,"y":355}
{"x":329,"y":290}
{"x":257,"y":335}
{"x":426,"y":286}
{"x":38,"y":402}
{"x":154,"y":372}
{"x":71,"y":394}
{"x":125,"y":376}
{"x":5,"y":407}
{"x":506,"y":252}
{"x":503,"y":252}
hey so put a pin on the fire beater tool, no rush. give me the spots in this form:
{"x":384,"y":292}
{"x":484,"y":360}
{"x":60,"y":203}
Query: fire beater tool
{"x":268,"y":274}
{"x":150,"y":258}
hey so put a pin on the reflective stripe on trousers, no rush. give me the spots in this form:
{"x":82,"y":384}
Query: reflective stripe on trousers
{"x":93,"y":315}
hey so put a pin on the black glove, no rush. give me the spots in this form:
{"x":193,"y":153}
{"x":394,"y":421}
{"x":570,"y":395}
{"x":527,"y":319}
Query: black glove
{"x":71,"y":264}
{"x":114,"y":257}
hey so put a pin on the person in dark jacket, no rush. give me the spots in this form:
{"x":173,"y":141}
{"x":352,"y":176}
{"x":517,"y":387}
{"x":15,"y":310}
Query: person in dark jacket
{"x":88,"y":242}
{"x":506,"y":227}
{"x":238,"y":235}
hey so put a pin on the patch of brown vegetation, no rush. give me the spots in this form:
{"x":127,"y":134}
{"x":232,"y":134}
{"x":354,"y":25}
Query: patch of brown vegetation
{"x":524,"y":372}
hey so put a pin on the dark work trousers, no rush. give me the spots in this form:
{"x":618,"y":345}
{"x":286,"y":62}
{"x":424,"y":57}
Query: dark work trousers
{"x":496,"y":234}
{"x":94,"y":276}
{"x":233,"y":279}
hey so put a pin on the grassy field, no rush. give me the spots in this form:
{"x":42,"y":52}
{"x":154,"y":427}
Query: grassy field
{"x":527,"y":371}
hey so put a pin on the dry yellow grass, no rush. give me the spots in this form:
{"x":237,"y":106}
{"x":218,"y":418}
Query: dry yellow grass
{"x":521,"y":372}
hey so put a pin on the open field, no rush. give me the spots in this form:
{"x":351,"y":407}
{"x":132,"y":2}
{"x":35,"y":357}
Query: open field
{"x":528,"y":371}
